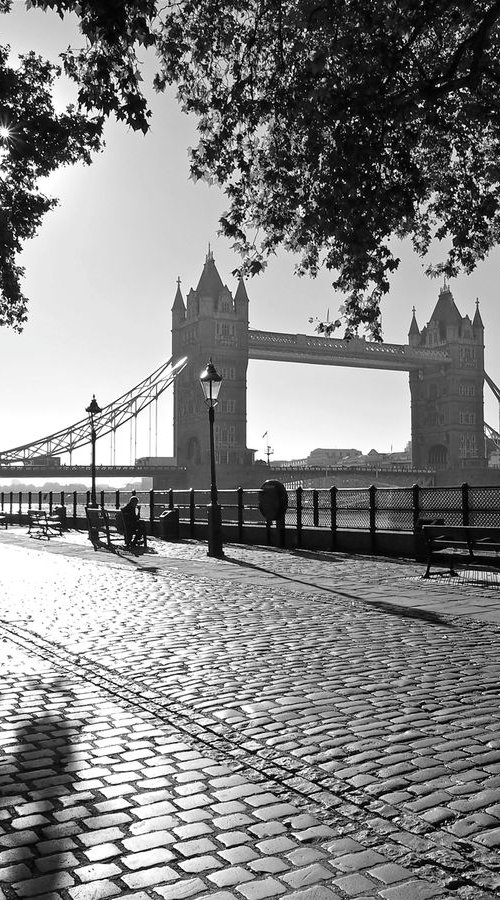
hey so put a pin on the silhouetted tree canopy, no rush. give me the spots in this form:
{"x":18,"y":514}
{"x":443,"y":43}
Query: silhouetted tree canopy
{"x":331,"y":126}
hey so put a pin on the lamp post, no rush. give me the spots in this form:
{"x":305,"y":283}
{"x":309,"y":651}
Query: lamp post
{"x":211,"y":381}
{"x":93,"y":409}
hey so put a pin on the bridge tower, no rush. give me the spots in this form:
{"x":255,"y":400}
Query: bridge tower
{"x":212,"y":323}
{"x":447,"y":417}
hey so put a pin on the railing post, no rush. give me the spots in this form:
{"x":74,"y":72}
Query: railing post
{"x":239,"y":495}
{"x":465,"y":503}
{"x":20,"y":508}
{"x":117,"y":499}
{"x":151,"y":508}
{"x":415,"y":506}
{"x":315,"y":509}
{"x":11,"y":500}
{"x":103,"y":499}
{"x":29,"y":500}
{"x":62,"y":498}
{"x":372,"y":491}
{"x":333,"y":516}
{"x":298,"y":495}
{"x":191,"y":513}
{"x":87,"y":498}
{"x":39,"y":499}
{"x":3,"y":499}
{"x":51,"y":500}
{"x":170,"y":498}
{"x":75,"y":504}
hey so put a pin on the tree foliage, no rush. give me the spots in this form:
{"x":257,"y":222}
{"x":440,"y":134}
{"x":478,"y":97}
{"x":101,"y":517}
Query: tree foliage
{"x":331,"y":126}
{"x":34,"y":141}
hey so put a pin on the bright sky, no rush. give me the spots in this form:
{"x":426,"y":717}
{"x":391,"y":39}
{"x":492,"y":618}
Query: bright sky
{"x":101,"y":276}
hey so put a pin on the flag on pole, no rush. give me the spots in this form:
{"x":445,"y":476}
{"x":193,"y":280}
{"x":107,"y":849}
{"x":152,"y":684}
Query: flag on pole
{"x":265,"y":434}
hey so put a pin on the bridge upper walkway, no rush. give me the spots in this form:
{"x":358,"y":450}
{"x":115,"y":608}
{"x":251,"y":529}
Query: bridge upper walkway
{"x":357,"y":352}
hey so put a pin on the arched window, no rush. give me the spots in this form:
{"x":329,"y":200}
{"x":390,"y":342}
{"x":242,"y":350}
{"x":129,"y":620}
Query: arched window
{"x":438,"y":456}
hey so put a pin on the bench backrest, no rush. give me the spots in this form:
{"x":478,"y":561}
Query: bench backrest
{"x":465,"y":535}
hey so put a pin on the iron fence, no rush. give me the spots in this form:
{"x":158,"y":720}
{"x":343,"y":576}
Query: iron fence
{"x":370,"y":509}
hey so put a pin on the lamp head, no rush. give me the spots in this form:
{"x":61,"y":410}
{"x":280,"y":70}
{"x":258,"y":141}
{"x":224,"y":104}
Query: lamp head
{"x":93,"y":408}
{"x":211,"y":382}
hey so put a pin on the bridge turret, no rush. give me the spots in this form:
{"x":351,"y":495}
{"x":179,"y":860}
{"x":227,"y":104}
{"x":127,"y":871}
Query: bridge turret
{"x":216,"y":325}
{"x":447,"y":401}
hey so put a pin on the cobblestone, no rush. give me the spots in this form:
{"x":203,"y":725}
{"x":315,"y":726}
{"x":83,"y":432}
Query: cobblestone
{"x":211,"y":725}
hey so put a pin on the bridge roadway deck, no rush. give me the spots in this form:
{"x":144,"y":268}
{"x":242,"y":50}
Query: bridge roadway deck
{"x":303,"y":348}
{"x":312,"y":726}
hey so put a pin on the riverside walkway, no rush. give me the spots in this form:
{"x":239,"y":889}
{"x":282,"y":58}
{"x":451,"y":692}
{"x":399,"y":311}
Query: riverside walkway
{"x":314,"y":726}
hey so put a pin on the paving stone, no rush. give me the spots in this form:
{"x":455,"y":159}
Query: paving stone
{"x":390,"y":873}
{"x":303,"y":877}
{"x":354,"y":862}
{"x":96,"y":871}
{"x":147,"y":858}
{"x":241,"y":854}
{"x":144,"y":878}
{"x":271,"y":864}
{"x":275,"y":845}
{"x":258,"y":890}
{"x":412,"y":890}
{"x":317,"y":892}
{"x":200,"y":864}
{"x":181,"y":889}
{"x":232,"y":875}
{"x":98,"y":890}
{"x":354,"y":885}
{"x":45,"y":883}
{"x":195,"y":848}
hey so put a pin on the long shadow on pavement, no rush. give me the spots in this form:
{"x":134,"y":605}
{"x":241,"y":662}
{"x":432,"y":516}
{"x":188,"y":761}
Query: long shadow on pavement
{"x":393,"y":609}
{"x":38,"y":784}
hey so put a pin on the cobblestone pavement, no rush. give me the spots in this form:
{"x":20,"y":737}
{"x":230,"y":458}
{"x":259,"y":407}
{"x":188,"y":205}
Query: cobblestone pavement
{"x":301,"y":724}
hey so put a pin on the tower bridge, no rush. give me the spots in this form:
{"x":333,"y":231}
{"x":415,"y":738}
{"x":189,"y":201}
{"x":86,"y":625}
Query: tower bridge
{"x":444,"y":359}
{"x":445,"y":362}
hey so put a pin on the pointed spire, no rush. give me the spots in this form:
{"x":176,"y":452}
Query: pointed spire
{"x":477,"y":322}
{"x":241,"y":295}
{"x":210,"y":283}
{"x":414,"y":329}
{"x":178,"y":306}
{"x":445,"y":311}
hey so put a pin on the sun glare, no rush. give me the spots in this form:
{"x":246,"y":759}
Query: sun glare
{"x":4,"y":133}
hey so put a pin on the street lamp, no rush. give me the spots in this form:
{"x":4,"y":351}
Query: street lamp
{"x":211,"y":381}
{"x":93,"y":409}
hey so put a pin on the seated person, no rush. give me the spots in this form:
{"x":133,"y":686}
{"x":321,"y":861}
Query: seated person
{"x":135,"y":528}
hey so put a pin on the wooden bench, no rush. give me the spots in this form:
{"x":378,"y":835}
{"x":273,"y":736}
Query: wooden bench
{"x":108,"y":526}
{"x":41,"y":522}
{"x":462,"y":546}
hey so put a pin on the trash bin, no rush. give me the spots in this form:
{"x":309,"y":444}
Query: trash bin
{"x":273,"y":504}
{"x":169,"y":525}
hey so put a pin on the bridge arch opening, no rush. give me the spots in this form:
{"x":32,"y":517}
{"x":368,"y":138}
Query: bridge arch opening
{"x":438,"y":456}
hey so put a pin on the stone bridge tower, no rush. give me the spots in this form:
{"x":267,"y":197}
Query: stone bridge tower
{"x":212,"y":323}
{"x":447,"y":417}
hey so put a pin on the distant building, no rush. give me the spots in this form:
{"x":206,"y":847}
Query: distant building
{"x":331,"y":457}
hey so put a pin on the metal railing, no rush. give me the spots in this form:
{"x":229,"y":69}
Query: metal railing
{"x":371,"y":509}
